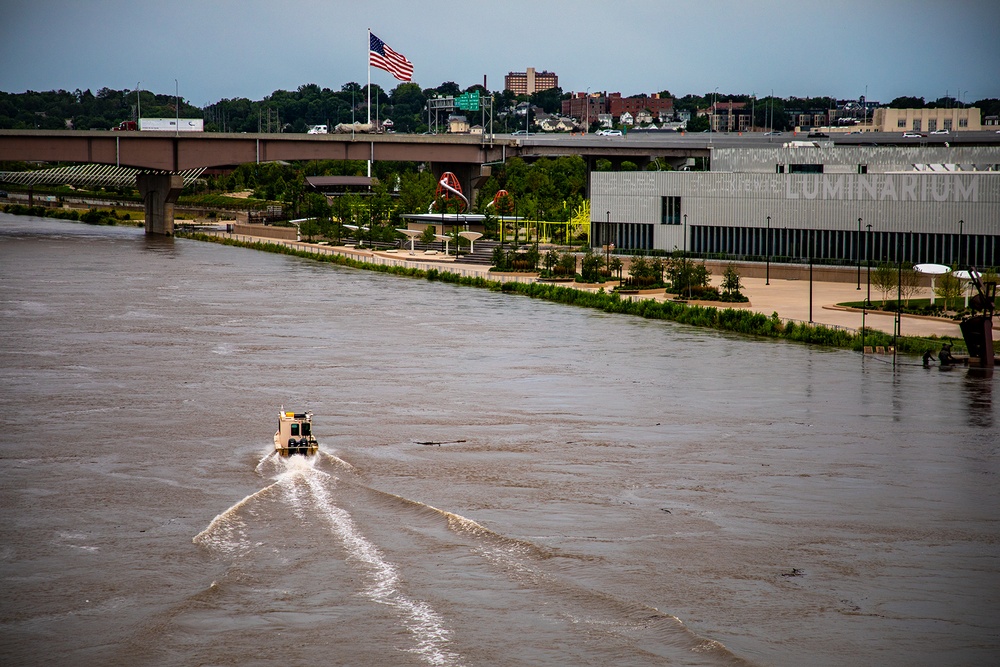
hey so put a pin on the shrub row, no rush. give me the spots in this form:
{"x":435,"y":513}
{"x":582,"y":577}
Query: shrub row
{"x":725,"y":319}
{"x":91,"y":216}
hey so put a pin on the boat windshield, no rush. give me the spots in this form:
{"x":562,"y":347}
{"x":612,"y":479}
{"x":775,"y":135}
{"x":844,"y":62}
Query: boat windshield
{"x":295,"y":428}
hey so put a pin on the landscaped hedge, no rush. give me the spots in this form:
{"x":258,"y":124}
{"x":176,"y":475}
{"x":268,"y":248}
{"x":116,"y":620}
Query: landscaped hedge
{"x":91,"y":217}
{"x":725,"y":319}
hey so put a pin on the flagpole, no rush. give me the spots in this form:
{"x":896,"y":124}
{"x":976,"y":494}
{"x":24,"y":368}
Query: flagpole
{"x":369,"y":93}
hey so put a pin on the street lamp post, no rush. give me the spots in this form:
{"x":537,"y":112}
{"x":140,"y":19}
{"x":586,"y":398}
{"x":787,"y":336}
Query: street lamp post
{"x":607,"y":229}
{"x":857,"y":252}
{"x":711,"y":116}
{"x":961,"y":255}
{"x":138,"y":105}
{"x":177,"y":108}
{"x":538,"y":222}
{"x":812,"y":249}
{"x":767,"y":271}
{"x":868,"y":249}
{"x":687,"y":267}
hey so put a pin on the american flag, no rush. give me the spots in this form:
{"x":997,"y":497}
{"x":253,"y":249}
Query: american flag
{"x":381,"y":56}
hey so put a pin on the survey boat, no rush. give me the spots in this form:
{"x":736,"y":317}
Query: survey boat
{"x":294,"y":435}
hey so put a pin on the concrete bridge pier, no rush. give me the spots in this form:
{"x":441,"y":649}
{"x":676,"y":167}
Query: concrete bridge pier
{"x":159,"y":193}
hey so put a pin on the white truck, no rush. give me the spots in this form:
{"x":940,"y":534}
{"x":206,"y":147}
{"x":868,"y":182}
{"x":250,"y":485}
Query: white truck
{"x":171,"y":125}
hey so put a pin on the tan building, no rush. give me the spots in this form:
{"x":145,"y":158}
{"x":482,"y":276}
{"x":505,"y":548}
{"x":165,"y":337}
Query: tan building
{"x":529,"y":82}
{"x":729,"y":117}
{"x":926,"y":120}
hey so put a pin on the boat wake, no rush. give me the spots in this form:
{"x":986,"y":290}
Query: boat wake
{"x":307,"y":491}
{"x":526,"y":583}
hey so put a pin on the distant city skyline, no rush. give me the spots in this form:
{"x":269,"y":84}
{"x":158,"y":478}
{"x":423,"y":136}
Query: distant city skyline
{"x":211,"y":51}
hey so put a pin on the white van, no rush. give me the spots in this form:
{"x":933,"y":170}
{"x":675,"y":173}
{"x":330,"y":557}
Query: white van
{"x":317,"y":129}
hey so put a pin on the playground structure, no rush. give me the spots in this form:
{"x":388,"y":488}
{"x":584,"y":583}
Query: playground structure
{"x":510,"y":226}
{"x":448,"y":188}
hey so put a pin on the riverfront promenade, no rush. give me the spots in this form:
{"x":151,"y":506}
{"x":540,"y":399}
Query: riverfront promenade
{"x":789,"y":298}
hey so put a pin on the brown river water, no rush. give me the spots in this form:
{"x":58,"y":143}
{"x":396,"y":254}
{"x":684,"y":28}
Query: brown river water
{"x":501,"y":481}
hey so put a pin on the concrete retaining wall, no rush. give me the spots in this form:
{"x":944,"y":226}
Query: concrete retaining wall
{"x":282,"y":233}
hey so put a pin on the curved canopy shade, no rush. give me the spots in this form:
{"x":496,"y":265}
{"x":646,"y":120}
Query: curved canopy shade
{"x":932,"y":269}
{"x":446,"y":239}
{"x":473,"y":237}
{"x":412,"y":233}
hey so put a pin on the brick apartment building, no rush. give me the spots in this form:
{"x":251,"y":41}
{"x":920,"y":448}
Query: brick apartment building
{"x":656,"y":105}
{"x":581,"y":105}
{"x":530,"y":81}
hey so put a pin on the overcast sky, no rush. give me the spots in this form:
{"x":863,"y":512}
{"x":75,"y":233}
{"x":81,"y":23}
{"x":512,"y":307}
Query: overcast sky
{"x":218,"y":49}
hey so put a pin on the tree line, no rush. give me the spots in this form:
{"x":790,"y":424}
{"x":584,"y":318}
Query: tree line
{"x":281,"y":111}
{"x":404,"y":105}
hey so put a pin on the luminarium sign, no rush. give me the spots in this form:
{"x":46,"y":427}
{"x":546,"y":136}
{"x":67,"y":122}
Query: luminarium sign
{"x":884,"y":187}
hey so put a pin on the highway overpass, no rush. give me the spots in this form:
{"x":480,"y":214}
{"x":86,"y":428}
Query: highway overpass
{"x":164,"y":154}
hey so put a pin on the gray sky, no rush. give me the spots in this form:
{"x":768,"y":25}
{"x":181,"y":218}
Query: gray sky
{"x":219,"y":49}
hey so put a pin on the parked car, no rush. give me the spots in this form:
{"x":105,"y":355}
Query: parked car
{"x":940,"y":132}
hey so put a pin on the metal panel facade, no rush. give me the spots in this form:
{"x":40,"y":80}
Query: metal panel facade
{"x":847,"y":158}
{"x":919,"y":204}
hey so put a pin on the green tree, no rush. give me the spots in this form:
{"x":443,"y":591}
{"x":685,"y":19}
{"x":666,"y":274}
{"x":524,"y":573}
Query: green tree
{"x":416,"y":192}
{"x":697,"y":124}
{"x":909,"y":284}
{"x":308,"y":229}
{"x":590,"y":266}
{"x":615,"y":265}
{"x":731,"y":282}
{"x":884,"y":279}
{"x":949,"y":288}
{"x":907,"y":103}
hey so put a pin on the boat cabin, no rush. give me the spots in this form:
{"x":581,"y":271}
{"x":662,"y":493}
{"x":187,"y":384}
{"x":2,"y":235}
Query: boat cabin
{"x":294,"y":435}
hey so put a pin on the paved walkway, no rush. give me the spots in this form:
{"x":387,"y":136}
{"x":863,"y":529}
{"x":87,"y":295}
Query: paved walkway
{"x":789,"y":298}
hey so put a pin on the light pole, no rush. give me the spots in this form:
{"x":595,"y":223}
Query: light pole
{"x":767,"y":271}
{"x":897,"y":328}
{"x":868,"y":249}
{"x":177,"y":108}
{"x":138,"y":105}
{"x":607,"y":256}
{"x":812,"y":250}
{"x":711,"y":116}
{"x":607,"y":229}
{"x":857,"y":252}
{"x":961,"y":255}
{"x":586,"y":129}
{"x":687,"y":268}
{"x":770,"y":114}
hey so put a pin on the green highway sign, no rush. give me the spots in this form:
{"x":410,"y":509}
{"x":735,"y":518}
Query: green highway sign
{"x":468,"y":101}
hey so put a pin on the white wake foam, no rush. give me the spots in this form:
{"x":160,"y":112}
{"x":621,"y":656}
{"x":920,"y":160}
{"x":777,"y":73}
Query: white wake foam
{"x":306,"y":490}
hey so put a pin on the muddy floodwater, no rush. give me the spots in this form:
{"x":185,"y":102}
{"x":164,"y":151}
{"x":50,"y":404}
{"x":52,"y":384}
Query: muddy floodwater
{"x":501,"y":481}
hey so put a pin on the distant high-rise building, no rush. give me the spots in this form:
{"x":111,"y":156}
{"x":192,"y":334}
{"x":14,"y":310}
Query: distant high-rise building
{"x":529,"y":82}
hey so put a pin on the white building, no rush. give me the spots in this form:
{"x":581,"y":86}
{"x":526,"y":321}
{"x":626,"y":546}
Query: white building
{"x":835,"y":204}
